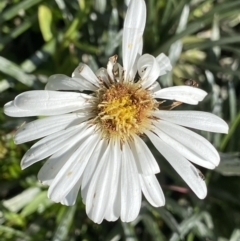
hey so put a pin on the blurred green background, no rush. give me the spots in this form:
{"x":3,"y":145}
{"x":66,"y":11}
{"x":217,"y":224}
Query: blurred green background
{"x":39,"y":38}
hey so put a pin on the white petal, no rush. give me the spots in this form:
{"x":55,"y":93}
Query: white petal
{"x":111,"y":62}
{"x":130,"y":186}
{"x":194,"y":119}
{"x":55,"y":163}
{"x":154,"y":87}
{"x":63,"y":82}
{"x":134,"y":25}
{"x":48,"y":146}
{"x":102,"y":75}
{"x":71,"y":197}
{"x":91,"y":167}
{"x":148,"y":69}
{"x":189,"y":144}
{"x":114,"y":203}
{"x":144,"y":159}
{"x":99,"y":189}
{"x":84,"y":72}
{"x":11,"y":110}
{"x":72,"y":171}
{"x":182,"y":166}
{"x":51,"y":102}
{"x":46,"y":126}
{"x":164,"y":64}
{"x":185,"y":94}
{"x":152,"y":190}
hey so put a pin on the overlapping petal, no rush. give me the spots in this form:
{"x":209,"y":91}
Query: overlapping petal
{"x":148,"y":69}
{"x":181,"y":165}
{"x":49,"y":125}
{"x":144,"y":159}
{"x":11,"y":110}
{"x":46,"y":102}
{"x":189,"y":144}
{"x":130,"y":186}
{"x":98,"y":192}
{"x":63,"y":82}
{"x":164,"y":64}
{"x":51,"y":144}
{"x":83,"y":72}
{"x":185,"y":94}
{"x":74,"y":167}
{"x":194,"y":119}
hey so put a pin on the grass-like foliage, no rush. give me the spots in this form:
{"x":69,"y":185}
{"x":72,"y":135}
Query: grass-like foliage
{"x":39,"y":38}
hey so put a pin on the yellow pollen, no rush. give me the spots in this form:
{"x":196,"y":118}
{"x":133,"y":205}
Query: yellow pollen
{"x":124,"y":109}
{"x":122,"y":113}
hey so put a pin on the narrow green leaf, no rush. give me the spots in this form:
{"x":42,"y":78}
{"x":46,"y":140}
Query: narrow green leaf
{"x":229,"y":165}
{"x":11,"y":69}
{"x":14,"y":10}
{"x":100,"y":5}
{"x":45,"y":21}
{"x":221,"y":9}
{"x":11,"y":232}
{"x":23,"y":27}
{"x":233,"y":127}
{"x":210,"y":44}
{"x":169,"y":219}
{"x":129,"y":232}
{"x":63,"y":228}
{"x":236,"y":235}
{"x":38,"y":204}
{"x":39,"y":57}
{"x":19,"y":201}
{"x":152,"y":228}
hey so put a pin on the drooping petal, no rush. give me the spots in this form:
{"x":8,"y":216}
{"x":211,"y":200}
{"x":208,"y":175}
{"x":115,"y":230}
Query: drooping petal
{"x":46,"y":126}
{"x":189,"y":144}
{"x":11,"y":110}
{"x":152,"y":190}
{"x":144,"y":159}
{"x":130,"y":186}
{"x":98,"y":192}
{"x":134,"y":25}
{"x":48,"y":146}
{"x":84,"y":72}
{"x":182,"y":166}
{"x":164,"y":64}
{"x":73,"y":169}
{"x":194,"y":119}
{"x":185,"y":94}
{"x":148,"y":69}
{"x":114,"y":203}
{"x":63,"y":82}
{"x":51,"y":102}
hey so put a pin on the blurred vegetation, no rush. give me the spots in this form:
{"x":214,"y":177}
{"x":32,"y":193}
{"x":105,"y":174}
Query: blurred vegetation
{"x":39,"y":38}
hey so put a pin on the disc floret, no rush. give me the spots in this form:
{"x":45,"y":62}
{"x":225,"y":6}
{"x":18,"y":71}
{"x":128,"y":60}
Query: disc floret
{"x":124,"y":109}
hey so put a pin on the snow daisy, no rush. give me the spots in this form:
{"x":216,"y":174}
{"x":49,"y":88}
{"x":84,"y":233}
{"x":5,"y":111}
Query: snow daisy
{"x":94,"y":143}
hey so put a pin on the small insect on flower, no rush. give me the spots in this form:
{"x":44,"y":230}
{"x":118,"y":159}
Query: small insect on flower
{"x":190,"y":82}
{"x":200,"y":174}
{"x":94,"y":142}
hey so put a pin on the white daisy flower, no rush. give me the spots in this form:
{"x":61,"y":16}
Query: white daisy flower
{"x":93,"y":142}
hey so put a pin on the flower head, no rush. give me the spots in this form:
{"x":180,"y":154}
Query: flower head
{"x":93,"y":142}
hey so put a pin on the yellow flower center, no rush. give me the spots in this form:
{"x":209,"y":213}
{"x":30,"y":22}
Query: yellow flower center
{"x":124,"y":109}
